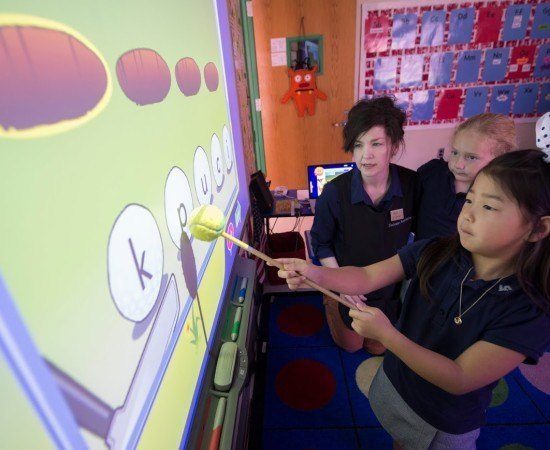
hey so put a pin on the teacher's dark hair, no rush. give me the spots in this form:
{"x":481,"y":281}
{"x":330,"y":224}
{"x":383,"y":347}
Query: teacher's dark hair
{"x":377,"y":111}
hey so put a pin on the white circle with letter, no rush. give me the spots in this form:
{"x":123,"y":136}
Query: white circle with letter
{"x":217,"y":163}
{"x":135,"y":262}
{"x":203,"y":179}
{"x":178,"y":204}
{"x":228,"y":148}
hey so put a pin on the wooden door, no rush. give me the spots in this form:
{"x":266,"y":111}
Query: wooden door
{"x":292,"y":142}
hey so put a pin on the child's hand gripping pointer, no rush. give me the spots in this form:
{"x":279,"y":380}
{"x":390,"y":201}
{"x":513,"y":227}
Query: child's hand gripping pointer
{"x":295,"y":271}
{"x":371,"y":323}
{"x":354,"y":299}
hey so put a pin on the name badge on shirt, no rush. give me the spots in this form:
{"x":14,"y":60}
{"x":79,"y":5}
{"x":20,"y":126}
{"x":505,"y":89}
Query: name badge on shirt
{"x":397,"y":214}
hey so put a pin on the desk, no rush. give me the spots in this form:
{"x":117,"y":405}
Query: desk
{"x":287,"y":224}
{"x":303,"y":211}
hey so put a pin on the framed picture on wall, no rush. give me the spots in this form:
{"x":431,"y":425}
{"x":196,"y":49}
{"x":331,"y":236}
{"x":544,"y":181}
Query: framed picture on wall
{"x":305,"y":51}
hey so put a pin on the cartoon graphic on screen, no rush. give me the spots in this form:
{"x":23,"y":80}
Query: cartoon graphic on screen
{"x":188,"y":76}
{"x":319,"y":175}
{"x":143,"y":76}
{"x":321,"y":179}
{"x":192,"y":327}
{"x":126,"y":130}
{"x":73,"y":85}
{"x":116,"y":426}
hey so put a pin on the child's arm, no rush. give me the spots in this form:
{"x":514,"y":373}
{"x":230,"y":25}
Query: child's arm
{"x":331,"y":262}
{"x":479,"y":365}
{"x":346,"y":280}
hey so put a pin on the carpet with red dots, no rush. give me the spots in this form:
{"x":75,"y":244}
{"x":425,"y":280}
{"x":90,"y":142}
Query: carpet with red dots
{"x":312,"y":400}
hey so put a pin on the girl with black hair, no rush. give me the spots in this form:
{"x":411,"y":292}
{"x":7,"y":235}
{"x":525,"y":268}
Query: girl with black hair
{"x":478,"y":306}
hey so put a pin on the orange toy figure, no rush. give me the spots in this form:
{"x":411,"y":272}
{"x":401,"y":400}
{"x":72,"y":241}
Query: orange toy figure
{"x":303,"y":89}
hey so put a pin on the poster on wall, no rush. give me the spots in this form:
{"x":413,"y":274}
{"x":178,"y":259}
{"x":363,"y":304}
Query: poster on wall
{"x":447,"y":61}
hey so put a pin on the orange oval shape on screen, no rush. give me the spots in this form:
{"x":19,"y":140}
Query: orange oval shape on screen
{"x":53,"y":79}
{"x":188,"y":76}
{"x":143,"y":75}
{"x":211,"y":76}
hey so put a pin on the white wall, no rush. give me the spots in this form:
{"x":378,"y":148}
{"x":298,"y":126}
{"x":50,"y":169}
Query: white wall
{"x":423,"y":145}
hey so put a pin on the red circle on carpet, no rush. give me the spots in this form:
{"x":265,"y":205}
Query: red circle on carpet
{"x":300,"y":320}
{"x":305,"y":384}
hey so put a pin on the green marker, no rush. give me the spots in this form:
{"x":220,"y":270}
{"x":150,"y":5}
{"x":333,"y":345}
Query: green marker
{"x":236,"y":324}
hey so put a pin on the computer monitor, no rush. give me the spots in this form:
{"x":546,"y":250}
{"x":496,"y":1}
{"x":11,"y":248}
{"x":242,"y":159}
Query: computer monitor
{"x":320,"y":174}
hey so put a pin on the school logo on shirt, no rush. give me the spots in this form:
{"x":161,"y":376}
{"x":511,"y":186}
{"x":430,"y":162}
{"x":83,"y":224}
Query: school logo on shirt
{"x":397,"y":214}
{"x":402,"y":221}
{"x":504,"y":288}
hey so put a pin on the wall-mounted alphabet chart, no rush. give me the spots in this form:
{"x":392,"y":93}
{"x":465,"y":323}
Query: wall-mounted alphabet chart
{"x":447,"y":61}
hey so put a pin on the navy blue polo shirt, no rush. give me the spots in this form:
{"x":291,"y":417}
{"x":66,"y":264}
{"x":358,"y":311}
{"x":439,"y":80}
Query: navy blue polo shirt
{"x":326,"y":229}
{"x":438,"y":203}
{"x":506,"y":316}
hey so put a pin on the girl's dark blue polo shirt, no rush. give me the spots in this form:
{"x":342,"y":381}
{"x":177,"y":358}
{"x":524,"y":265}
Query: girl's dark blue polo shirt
{"x":506,"y":316}
{"x":438,"y":203}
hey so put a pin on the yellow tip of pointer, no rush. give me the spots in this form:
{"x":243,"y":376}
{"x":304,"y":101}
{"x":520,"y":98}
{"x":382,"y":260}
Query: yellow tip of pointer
{"x":206,"y":223}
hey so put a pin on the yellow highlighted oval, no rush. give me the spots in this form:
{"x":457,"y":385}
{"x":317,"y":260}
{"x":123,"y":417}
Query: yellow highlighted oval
{"x":53,"y":78}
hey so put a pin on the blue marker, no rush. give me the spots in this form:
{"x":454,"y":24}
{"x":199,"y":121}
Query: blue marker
{"x":242,"y":292}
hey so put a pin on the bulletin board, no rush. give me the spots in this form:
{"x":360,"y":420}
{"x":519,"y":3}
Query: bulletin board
{"x":447,"y":61}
